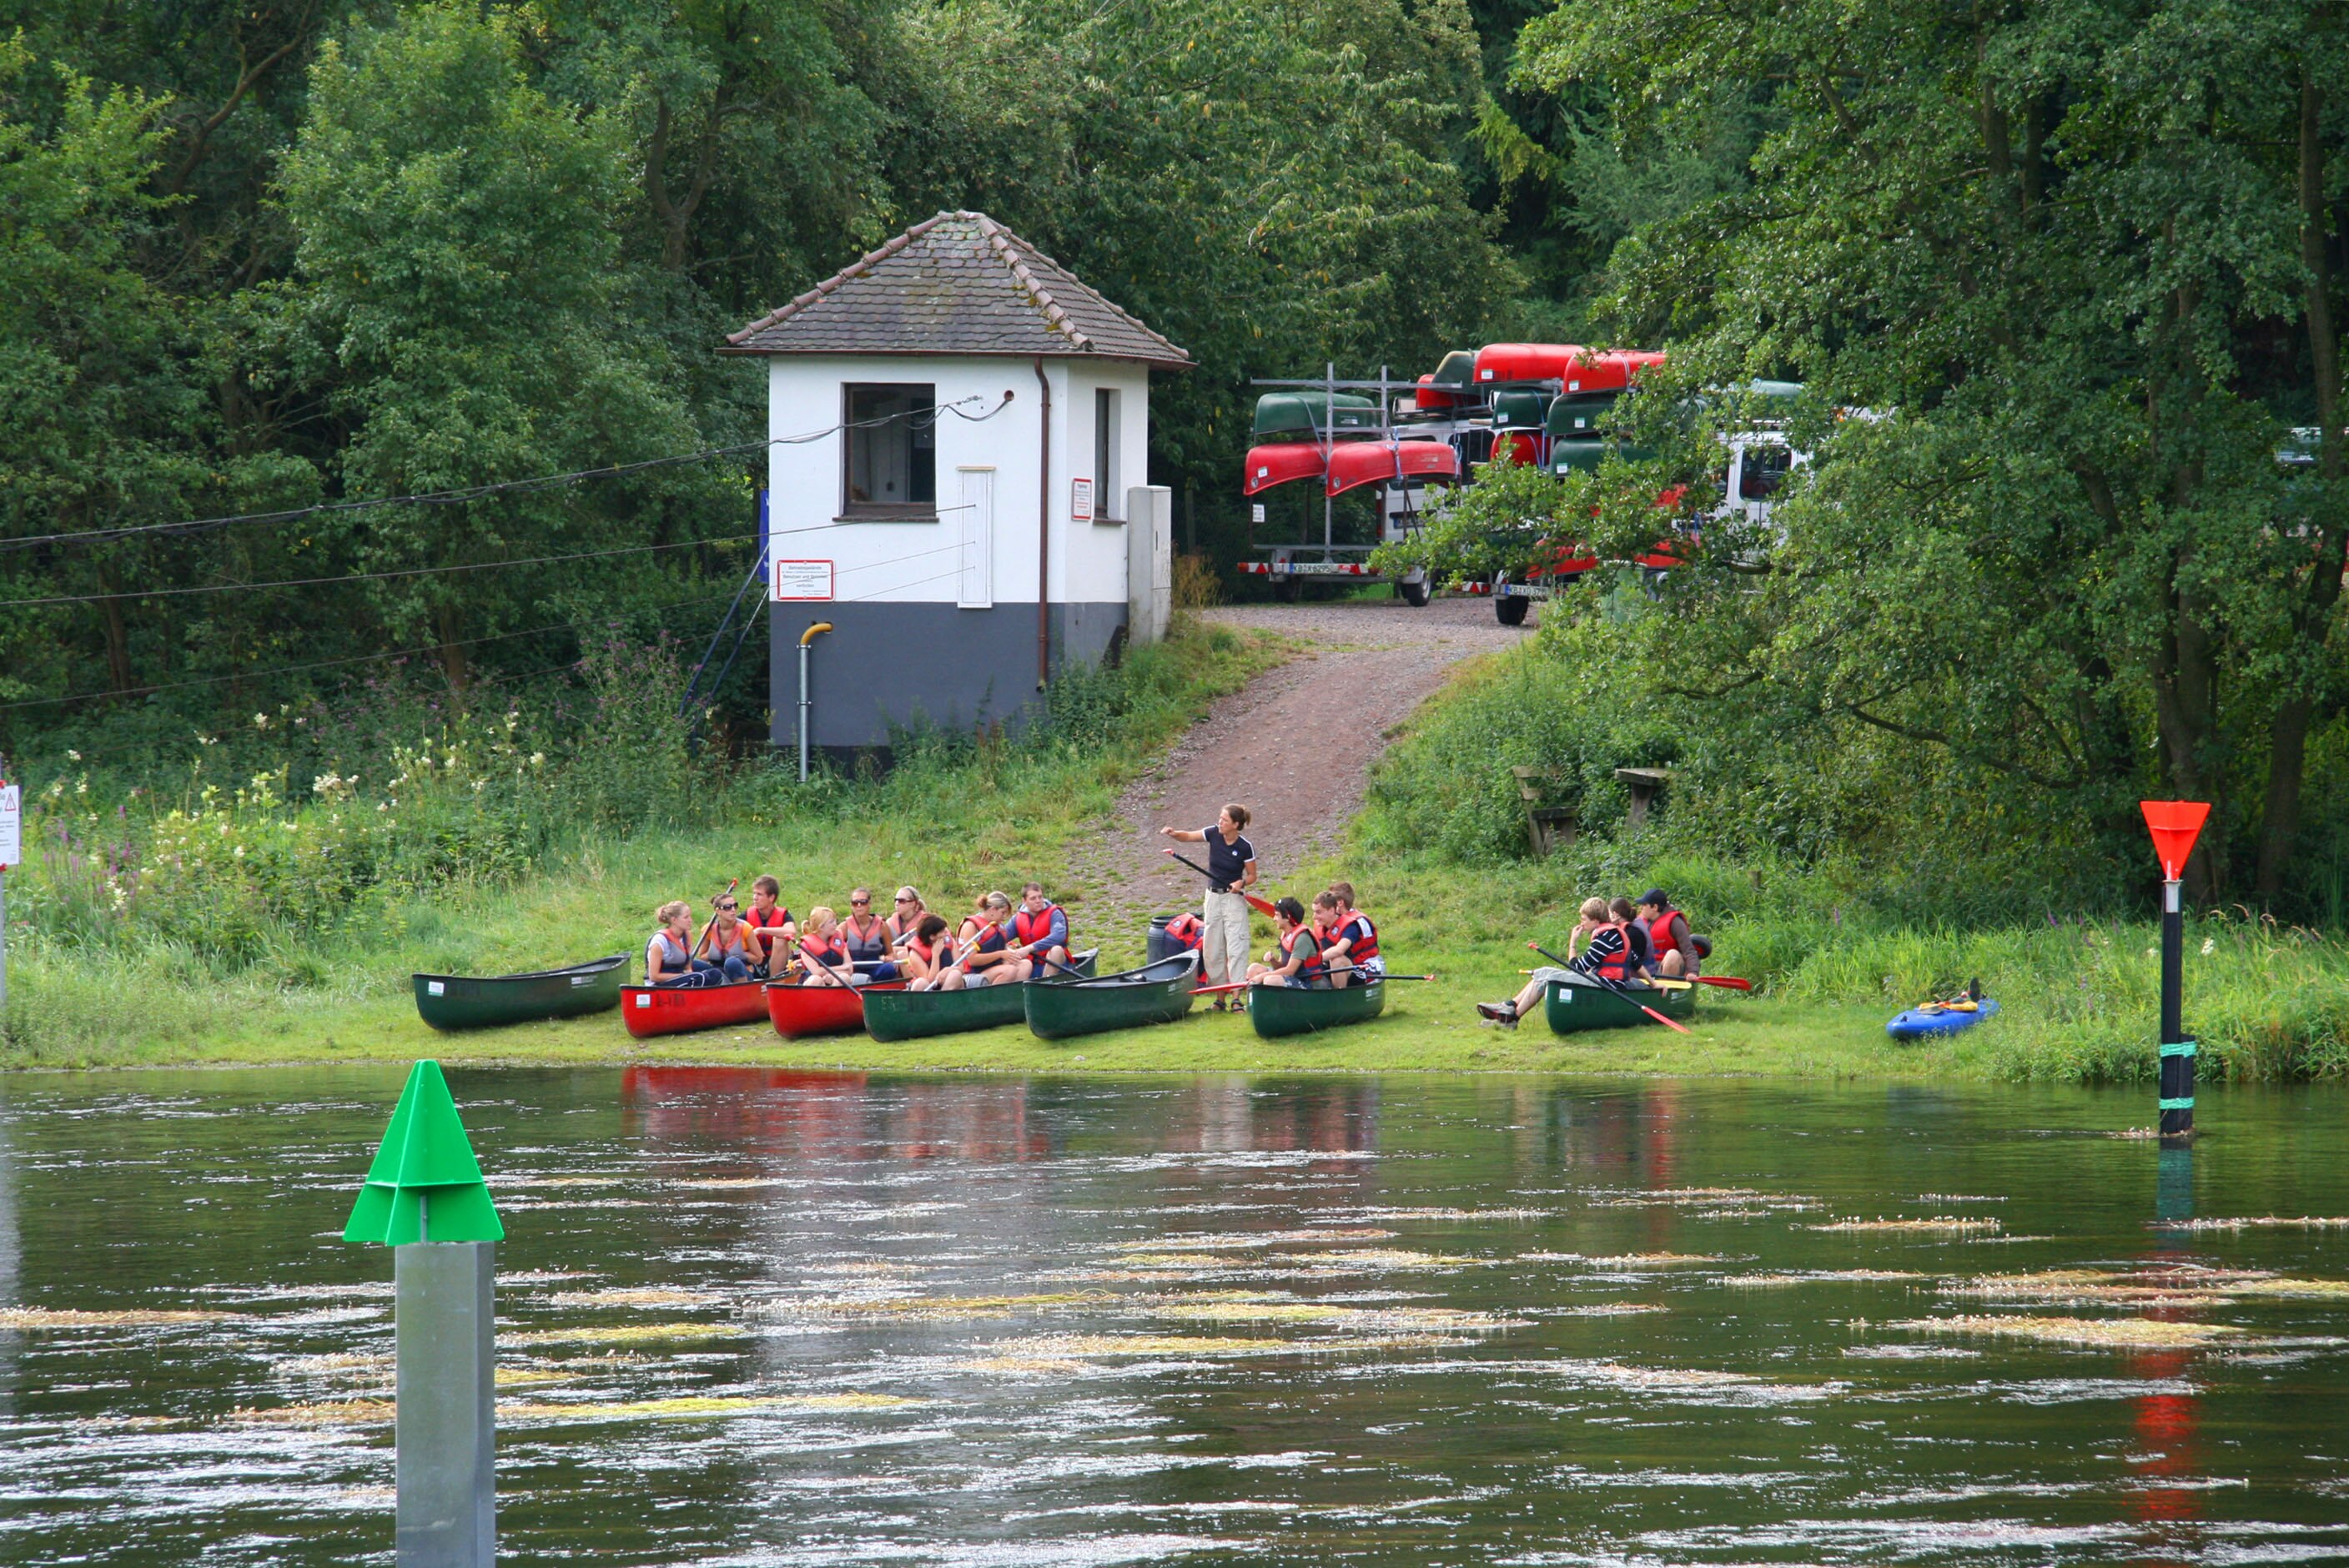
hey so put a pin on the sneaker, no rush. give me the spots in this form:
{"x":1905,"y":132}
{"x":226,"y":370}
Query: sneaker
{"x":1497,"y":1012}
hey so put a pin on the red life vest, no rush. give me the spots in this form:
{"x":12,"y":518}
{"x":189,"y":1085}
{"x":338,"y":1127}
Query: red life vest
{"x":1183,"y":929}
{"x":1033,"y":925}
{"x":921,"y":949}
{"x":1362,"y":937}
{"x":1660,"y":935}
{"x":774,"y":917}
{"x":1313,"y":967}
{"x":1618,"y":967}
{"x":831,"y":954}
{"x":991,"y":939}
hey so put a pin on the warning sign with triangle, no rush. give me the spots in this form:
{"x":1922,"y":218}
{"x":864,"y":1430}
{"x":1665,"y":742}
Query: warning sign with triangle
{"x":425,"y":1184}
{"x":2175,"y":825}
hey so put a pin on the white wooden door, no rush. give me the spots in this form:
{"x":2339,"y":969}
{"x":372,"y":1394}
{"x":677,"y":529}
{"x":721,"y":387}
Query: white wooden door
{"x":974,"y":514}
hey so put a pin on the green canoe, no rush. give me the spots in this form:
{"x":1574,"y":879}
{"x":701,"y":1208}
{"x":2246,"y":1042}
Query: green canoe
{"x":911,"y":1015}
{"x":472,"y":1002}
{"x":1278,"y":1010}
{"x":1158,"y":992}
{"x":1575,"y":1004}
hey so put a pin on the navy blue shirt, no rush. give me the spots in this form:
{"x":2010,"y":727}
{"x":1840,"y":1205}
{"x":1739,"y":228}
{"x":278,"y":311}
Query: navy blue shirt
{"x":1226,"y":861}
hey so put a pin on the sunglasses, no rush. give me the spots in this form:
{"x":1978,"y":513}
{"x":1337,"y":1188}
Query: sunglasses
{"x":860,"y":903}
{"x":903,"y":900}
{"x":728,"y":907}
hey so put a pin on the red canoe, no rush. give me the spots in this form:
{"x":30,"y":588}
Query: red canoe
{"x":1377,"y":462}
{"x":1611,"y":371}
{"x":665,"y":1010}
{"x":819,"y":1009}
{"x":1500,"y":362}
{"x":1279,"y":463}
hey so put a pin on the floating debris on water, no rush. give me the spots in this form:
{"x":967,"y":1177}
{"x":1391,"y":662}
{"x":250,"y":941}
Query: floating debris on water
{"x":323,"y":1413}
{"x":1684,"y":1380}
{"x":692,"y":1407}
{"x":877,"y":1267}
{"x":28,"y":1318}
{"x":1911,"y":1353}
{"x":503,"y":1183}
{"x":1703,"y":1197}
{"x":1651,"y":1260}
{"x":1941,"y":1225}
{"x":1956,"y":1197}
{"x":1820,"y":1276}
{"x":539,"y":1276}
{"x":1611,"y":1309}
{"x":657,"y":1296}
{"x":1077,"y":1348}
{"x":934,"y":1308}
{"x":1241,"y":1241}
{"x":1382,"y":1260}
{"x":731,"y":1183}
{"x":1470,"y":1215}
{"x":2260,"y":1222}
{"x":2117,"y":1333}
{"x":1443,"y":1319}
{"x":625,"y":1334}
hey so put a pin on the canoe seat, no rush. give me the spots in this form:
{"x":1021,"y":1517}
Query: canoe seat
{"x":1548,"y":828}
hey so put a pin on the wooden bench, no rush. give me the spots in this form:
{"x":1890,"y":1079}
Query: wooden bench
{"x":1548,"y":828}
{"x":1645,"y":784}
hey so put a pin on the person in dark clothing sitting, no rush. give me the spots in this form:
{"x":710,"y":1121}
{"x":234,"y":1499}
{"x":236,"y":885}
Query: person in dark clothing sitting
{"x":1606,"y":953}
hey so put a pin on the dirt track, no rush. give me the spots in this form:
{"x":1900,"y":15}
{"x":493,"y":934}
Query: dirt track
{"x":1296,"y":746}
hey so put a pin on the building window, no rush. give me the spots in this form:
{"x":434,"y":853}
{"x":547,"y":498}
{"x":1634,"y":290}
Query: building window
{"x":1109,"y":491}
{"x":889,"y":459}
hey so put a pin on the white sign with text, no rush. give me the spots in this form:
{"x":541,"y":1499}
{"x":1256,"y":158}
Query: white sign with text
{"x":1080,"y":500}
{"x":12,"y":825}
{"x":803,"y":580}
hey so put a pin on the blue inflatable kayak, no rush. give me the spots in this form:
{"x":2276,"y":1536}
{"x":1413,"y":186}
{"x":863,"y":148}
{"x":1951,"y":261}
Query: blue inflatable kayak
{"x":1936,"y":1019}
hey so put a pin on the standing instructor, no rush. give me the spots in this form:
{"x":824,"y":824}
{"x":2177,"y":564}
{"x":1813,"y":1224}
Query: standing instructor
{"x":1224,"y":918}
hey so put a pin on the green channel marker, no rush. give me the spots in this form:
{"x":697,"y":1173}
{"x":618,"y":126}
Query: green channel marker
{"x":425,"y":1184}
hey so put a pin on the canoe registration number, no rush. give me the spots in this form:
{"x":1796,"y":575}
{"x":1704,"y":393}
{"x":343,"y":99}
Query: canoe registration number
{"x":435,"y":989}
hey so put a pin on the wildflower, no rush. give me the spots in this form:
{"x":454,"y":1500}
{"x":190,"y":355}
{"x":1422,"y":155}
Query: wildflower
{"x":71,"y":755}
{"x":537,"y":758}
{"x":378,"y":805}
{"x":261,"y":721}
{"x":237,"y":853}
{"x":2209,"y":945}
{"x":81,"y":786}
{"x":2153,"y":952}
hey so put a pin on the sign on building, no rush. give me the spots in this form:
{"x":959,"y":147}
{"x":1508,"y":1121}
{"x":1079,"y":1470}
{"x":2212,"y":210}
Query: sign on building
{"x":803,"y":580}
{"x":1080,"y":500}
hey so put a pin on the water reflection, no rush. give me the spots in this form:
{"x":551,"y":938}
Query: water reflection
{"x":764,"y":1317}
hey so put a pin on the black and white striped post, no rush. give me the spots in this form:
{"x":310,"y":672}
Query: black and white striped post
{"x":2175,"y":825}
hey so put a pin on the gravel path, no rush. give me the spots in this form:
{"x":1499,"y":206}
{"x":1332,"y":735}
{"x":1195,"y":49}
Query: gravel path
{"x":1295,"y":747}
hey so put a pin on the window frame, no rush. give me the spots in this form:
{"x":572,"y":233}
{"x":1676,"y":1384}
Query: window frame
{"x":853,"y":510}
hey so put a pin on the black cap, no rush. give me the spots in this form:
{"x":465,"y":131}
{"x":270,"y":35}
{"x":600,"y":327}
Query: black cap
{"x":1655,"y":896}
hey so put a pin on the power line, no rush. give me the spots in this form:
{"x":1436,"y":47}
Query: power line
{"x":495,"y":488}
{"x":367,"y":576}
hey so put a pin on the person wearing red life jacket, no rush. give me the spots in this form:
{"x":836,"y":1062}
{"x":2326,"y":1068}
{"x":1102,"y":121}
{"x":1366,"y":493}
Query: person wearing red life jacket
{"x":770,"y":929}
{"x":1642,"y":964}
{"x":823,"y":954}
{"x":1607,"y":953}
{"x":1296,"y":961}
{"x":985,"y":952}
{"x":1040,"y":932}
{"x":1679,"y":953}
{"x":929,"y":957}
{"x":1356,"y":940}
{"x":867,"y":937}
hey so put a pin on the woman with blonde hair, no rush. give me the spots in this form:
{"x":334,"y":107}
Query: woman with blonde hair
{"x":669,"y":956}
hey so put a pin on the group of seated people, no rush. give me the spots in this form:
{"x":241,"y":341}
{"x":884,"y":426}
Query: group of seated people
{"x":1333,"y":945}
{"x":1616,"y":942}
{"x":996,"y":944}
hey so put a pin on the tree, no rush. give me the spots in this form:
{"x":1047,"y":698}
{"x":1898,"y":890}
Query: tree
{"x":460,"y":302}
{"x":2080,"y":260}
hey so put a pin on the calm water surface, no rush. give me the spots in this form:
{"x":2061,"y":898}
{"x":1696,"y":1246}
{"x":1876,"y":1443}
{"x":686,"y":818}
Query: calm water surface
{"x":756,"y":1318}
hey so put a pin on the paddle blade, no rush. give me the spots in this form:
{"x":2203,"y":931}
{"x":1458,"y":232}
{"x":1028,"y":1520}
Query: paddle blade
{"x":1726,"y":981}
{"x":1261,"y":905}
{"x":1659,"y":1017}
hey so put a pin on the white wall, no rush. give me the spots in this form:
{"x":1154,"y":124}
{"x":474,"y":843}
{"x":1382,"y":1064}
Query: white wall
{"x":919,"y":561}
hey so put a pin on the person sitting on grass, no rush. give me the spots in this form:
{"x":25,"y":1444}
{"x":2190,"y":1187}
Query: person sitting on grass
{"x":1642,"y":964}
{"x":1607,"y":955}
{"x":823,"y":955}
{"x":769,"y":927}
{"x":867,"y":937}
{"x":726,"y":944}
{"x":1354,"y":938}
{"x":1296,"y":962}
{"x":669,"y":956}
{"x":929,"y":956}
{"x":1679,"y":951}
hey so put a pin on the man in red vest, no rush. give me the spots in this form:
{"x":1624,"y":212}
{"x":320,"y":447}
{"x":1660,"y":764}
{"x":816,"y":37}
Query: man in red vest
{"x":1676,"y":951}
{"x":1040,"y":932}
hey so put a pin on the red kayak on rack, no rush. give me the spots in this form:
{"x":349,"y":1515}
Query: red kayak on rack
{"x":651,"y":1010}
{"x":1611,"y":371}
{"x":1500,"y":364}
{"x":1377,"y":462}
{"x":799,"y":1010}
{"x":1279,"y":462}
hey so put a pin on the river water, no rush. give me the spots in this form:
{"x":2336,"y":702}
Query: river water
{"x":759,"y":1318}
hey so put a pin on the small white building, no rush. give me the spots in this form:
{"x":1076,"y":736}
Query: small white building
{"x":957,"y":483}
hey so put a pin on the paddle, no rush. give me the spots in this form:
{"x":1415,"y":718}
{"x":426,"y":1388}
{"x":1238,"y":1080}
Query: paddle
{"x":1681,"y":981}
{"x":1605,"y":983}
{"x":1261,"y":905}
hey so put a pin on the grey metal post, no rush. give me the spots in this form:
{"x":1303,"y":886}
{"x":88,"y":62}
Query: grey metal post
{"x":447,"y":1430}
{"x":804,"y":709}
{"x":4,"y":939}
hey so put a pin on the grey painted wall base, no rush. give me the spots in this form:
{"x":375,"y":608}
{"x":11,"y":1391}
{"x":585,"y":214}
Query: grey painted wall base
{"x":885,"y":668}
{"x":445,"y":1326}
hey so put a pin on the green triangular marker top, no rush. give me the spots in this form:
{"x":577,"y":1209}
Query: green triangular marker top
{"x":425,"y":1184}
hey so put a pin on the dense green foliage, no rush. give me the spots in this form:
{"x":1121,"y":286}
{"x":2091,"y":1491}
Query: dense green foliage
{"x":2081,"y":265}
{"x":272,"y":254}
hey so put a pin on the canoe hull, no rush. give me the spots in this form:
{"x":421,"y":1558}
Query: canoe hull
{"x":893,"y":1013}
{"x":1572,"y":1007}
{"x":468,"y":1001}
{"x":1155,"y":994}
{"x":800,"y":1010}
{"x":650,"y":1010}
{"x":1917,"y":1024}
{"x":1278,"y":1010}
